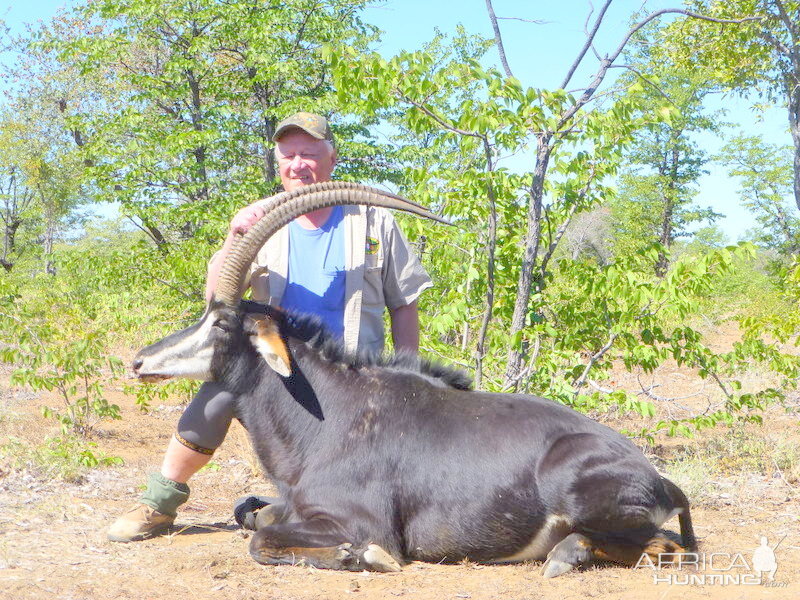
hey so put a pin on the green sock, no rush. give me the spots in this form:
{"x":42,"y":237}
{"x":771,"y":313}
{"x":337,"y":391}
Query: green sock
{"x":164,"y":494}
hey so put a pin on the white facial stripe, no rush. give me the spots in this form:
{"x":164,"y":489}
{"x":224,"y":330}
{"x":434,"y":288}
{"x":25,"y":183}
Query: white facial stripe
{"x":197,"y":366}
{"x":188,"y":357}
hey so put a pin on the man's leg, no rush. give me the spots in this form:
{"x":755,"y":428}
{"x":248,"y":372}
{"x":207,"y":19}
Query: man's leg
{"x":182,"y":461}
{"x":201,"y":429}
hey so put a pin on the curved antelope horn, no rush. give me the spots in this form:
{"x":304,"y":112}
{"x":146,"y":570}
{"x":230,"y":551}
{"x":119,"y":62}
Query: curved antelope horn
{"x":269,"y":203}
{"x":283,"y":208}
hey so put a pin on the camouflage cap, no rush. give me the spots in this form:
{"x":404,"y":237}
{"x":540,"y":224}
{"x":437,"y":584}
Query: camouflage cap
{"x":313,"y":125}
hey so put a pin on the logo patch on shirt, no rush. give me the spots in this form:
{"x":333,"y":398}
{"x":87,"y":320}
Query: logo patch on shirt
{"x":372,"y":245}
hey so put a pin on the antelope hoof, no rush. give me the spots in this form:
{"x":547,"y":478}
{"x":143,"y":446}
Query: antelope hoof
{"x":378,"y":559}
{"x":554,"y":567}
{"x":344,"y":552}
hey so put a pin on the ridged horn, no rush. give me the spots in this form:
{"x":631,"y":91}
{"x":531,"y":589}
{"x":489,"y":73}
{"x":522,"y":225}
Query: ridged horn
{"x":283,"y":208}
{"x":272,"y":201}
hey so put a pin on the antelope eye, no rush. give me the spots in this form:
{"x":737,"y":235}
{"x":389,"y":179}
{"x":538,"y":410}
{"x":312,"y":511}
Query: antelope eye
{"x":220,"y":324}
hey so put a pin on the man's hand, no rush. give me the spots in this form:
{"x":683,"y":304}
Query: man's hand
{"x":241,"y":222}
{"x":246,"y":218}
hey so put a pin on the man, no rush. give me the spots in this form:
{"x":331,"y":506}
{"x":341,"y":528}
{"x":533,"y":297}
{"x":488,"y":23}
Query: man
{"x":346,"y":264}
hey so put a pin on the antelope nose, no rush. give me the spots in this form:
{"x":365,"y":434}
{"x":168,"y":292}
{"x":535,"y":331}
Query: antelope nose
{"x":137,"y":364}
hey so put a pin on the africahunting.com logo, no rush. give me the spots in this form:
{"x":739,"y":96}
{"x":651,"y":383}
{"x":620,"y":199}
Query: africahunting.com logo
{"x":715,"y":568}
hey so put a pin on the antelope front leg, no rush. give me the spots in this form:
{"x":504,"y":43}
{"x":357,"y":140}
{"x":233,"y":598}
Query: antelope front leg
{"x":318,"y":543}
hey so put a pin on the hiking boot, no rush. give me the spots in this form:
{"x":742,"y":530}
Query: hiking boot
{"x":139,"y":523}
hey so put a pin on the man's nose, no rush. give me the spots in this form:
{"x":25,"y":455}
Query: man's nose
{"x":297,"y":163}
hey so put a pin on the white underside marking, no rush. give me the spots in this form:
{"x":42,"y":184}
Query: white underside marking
{"x":552,"y":532}
{"x":660,"y":516}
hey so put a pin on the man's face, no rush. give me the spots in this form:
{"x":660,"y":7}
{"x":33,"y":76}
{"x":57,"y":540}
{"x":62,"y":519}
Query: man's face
{"x":303,"y":159}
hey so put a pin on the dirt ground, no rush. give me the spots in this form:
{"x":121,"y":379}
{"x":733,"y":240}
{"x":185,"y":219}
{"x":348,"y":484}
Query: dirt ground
{"x":53,"y":545}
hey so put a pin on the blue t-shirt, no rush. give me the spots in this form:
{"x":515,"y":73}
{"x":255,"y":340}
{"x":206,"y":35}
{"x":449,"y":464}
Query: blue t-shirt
{"x":315,"y":281}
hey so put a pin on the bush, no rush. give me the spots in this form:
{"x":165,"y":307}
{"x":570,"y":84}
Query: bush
{"x":65,"y":457}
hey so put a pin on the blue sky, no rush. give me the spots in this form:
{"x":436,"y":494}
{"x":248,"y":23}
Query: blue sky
{"x":539,"y":55}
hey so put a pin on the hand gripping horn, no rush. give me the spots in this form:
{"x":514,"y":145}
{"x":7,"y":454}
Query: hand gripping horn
{"x":286,"y":206}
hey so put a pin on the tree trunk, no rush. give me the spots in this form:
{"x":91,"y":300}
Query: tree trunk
{"x":533,"y":236}
{"x":467,"y":290}
{"x":665,"y":239}
{"x":786,"y":230}
{"x":269,"y":149}
{"x":491,"y":243}
{"x":197,"y":124}
{"x":9,"y":242}
{"x":49,"y":237}
{"x":790,"y":53}
{"x":262,"y":95}
{"x":794,"y":127}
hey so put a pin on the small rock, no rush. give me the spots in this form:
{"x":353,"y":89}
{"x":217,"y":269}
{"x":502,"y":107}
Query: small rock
{"x":354,"y":586}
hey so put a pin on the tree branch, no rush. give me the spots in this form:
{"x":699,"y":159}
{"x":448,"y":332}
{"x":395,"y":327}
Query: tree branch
{"x":678,"y":11}
{"x":534,"y":21}
{"x":581,"y":381}
{"x":776,"y":43}
{"x":188,"y":295}
{"x":498,"y":39}
{"x":609,"y":60}
{"x":442,"y":123}
{"x":587,"y":45}
{"x":152,"y":233}
{"x":791,"y":24}
{"x":641,"y":76}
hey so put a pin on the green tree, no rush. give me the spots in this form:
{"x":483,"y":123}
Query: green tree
{"x":17,"y":203}
{"x":576,"y":147}
{"x":198,"y":86}
{"x":663,"y":165}
{"x":765,"y":172}
{"x":39,"y":144}
{"x":40,"y":174}
{"x":761,"y":55}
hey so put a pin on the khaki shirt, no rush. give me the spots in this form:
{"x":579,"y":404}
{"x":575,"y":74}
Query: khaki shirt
{"x":382,"y":271}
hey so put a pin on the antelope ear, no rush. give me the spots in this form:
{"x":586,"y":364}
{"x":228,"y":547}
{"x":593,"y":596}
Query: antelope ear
{"x":269,"y":344}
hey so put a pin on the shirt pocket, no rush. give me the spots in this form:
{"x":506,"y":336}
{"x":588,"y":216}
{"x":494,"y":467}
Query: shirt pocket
{"x":373,"y":281}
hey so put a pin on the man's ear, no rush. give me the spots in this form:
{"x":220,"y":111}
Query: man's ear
{"x":266,"y":338}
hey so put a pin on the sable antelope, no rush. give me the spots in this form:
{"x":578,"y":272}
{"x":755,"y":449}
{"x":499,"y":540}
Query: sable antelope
{"x":384,"y":461}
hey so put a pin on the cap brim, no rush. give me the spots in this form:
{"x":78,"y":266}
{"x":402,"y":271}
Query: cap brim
{"x":285,"y":128}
